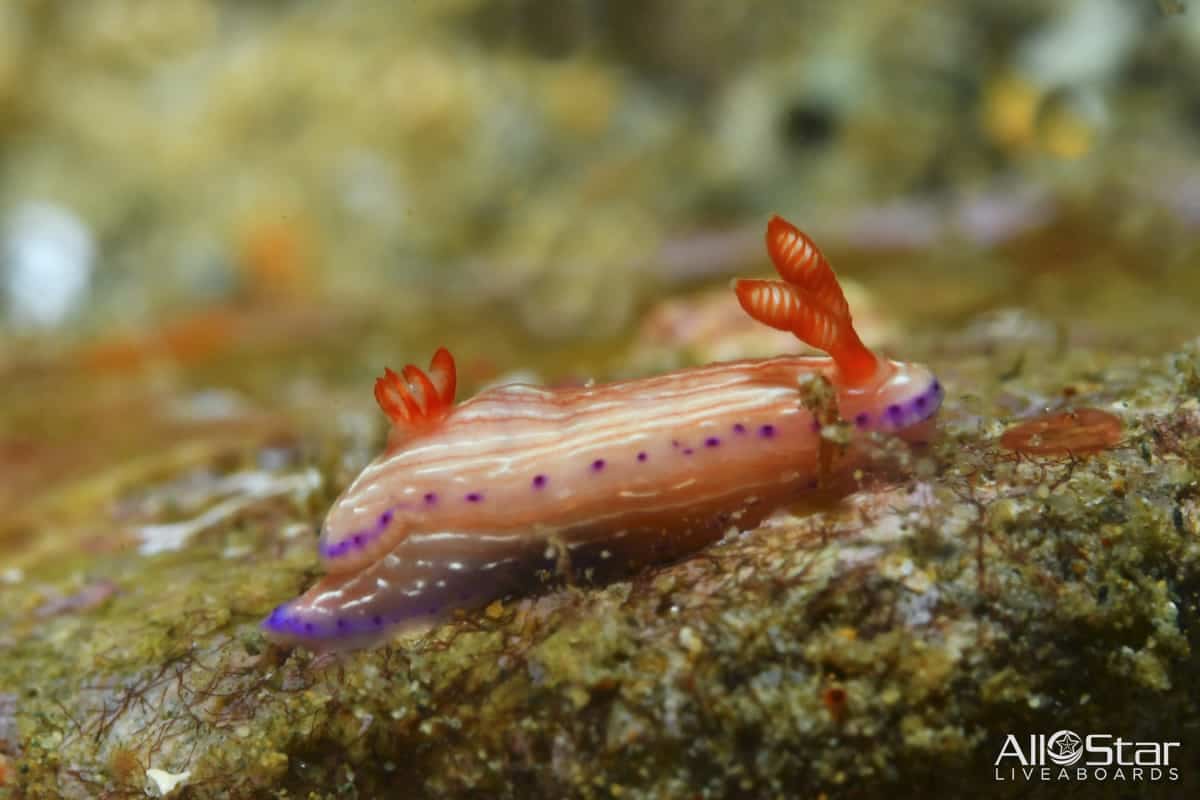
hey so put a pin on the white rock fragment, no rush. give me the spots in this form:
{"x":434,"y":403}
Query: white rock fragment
{"x":249,"y":488}
{"x":45,"y":264}
{"x":1089,"y":41}
{"x":167,"y":782}
{"x":693,"y":643}
{"x":917,"y":610}
{"x":234,"y":552}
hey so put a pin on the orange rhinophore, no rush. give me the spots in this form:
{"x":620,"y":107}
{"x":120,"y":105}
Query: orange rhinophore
{"x":475,"y":501}
{"x":808,"y":302}
{"x":444,"y":375}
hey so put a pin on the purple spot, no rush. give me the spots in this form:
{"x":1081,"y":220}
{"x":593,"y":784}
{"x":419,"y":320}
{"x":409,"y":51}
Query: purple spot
{"x":598,"y":465}
{"x":359,"y":540}
{"x":386,"y":517}
{"x":895,"y":413}
{"x":309,"y":627}
{"x":687,"y":451}
{"x":739,"y":427}
{"x":378,"y":620}
{"x":432,"y":610}
{"x":766,"y":431}
{"x":674,"y":443}
{"x":474,"y":497}
{"x":937,"y":387}
{"x":539,"y":481}
{"x":712,"y":441}
{"x":815,"y":425}
{"x":342,"y":624}
{"x":430,"y":498}
{"x":642,"y":456}
{"x":921,"y":402}
{"x":863,"y":419}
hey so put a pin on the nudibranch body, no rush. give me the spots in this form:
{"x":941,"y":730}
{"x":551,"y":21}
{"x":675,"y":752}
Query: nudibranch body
{"x":476,"y":501}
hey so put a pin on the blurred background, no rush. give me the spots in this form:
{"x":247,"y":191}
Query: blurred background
{"x":220,"y":220}
{"x":558,"y":162}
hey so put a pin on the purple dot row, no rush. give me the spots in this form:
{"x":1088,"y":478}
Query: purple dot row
{"x":296,"y":625}
{"x":900,"y":415}
{"x":359,"y":540}
{"x":897,"y":415}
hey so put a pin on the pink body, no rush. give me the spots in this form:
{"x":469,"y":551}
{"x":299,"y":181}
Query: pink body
{"x":518,"y":484}
{"x":614,"y":476}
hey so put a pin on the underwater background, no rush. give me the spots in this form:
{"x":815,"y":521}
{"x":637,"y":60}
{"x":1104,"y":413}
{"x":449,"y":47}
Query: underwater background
{"x":219,"y":222}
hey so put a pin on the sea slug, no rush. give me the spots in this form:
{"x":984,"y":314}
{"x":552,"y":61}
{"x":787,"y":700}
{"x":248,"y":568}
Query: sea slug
{"x":484,"y":499}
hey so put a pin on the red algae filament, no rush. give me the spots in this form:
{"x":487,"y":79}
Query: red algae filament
{"x":1079,"y":432}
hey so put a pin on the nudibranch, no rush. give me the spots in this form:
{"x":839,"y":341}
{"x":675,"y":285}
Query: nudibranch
{"x":485,"y":499}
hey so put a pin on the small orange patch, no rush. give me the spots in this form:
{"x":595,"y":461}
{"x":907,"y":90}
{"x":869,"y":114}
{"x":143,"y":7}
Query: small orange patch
{"x":1080,"y":432}
{"x":834,"y":698}
{"x":274,"y":254}
{"x":189,"y":340}
{"x":124,"y":765}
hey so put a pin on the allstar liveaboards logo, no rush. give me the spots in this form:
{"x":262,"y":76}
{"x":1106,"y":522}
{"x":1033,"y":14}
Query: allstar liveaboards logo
{"x":1066,"y":756}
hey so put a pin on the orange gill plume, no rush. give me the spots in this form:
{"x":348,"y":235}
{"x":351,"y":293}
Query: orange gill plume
{"x":415,"y":399}
{"x":808,"y":302}
{"x":443,"y":374}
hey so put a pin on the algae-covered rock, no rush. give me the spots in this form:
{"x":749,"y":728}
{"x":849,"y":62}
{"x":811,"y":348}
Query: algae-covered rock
{"x":883,"y":642}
